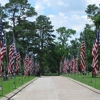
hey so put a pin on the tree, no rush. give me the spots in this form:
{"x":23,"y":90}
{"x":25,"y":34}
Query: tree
{"x":44,"y":30}
{"x":15,"y":22}
{"x":93,"y":13}
{"x":17,"y":13}
{"x":64,"y":34}
{"x":74,"y":47}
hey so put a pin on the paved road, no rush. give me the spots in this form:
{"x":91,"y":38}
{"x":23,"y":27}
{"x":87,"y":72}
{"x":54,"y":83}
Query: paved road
{"x":55,"y":88}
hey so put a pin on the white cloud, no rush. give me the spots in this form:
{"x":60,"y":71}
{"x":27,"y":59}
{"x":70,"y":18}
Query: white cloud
{"x":75,"y":22}
{"x":60,"y":3}
{"x":3,"y":2}
{"x":51,"y":16}
{"x":39,"y":7}
{"x":68,"y":13}
{"x":97,"y":2}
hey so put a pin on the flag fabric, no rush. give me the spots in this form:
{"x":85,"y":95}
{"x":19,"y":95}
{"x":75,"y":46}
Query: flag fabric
{"x":60,"y":67}
{"x":31,"y":64}
{"x":10,"y":58}
{"x":82,"y":54}
{"x":95,"y":55}
{"x":17,"y":61}
{"x":67,"y":65}
{"x":64,"y":68}
{"x":70,"y":65}
{"x":76,"y":67}
{"x":12,"y":55}
{"x":26,"y":64}
{"x":2,"y":53}
{"x":73,"y":65}
{"x":2,"y":48}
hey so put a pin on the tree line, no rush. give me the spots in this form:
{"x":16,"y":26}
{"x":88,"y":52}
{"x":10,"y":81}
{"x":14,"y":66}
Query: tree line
{"x":38,"y":35}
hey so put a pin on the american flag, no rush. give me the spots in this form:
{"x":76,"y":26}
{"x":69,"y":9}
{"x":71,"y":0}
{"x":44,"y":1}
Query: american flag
{"x":31,"y":64}
{"x":73,"y":65}
{"x":95,"y":55}
{"x":82,"y":54}
{"x":2,"y":48}
{"x":67,"y":65}
{"x":60,"y":67}
{"x":17,"y":61}
{"x":64,"y":68}
{"x":12,"y":55}
{"x":70,"y":65}
{"x":26,"y":64}
{"x":76,"y":61}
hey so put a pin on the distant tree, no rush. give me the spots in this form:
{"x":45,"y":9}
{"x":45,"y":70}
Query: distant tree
{"x":44,"y":30}
{"x":15,"y":22}
{"x":64,"y":34}
{"x":93,"y":13}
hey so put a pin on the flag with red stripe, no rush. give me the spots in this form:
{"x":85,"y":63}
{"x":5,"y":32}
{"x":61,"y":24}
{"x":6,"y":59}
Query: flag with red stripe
{"x":31,"y":64}
{"x":95,"y":55}
{"x":12,"y":56}
{"x":17,"y":61}
{"x":26,"y":64}
{"x":82,"y":54}
{"x":2,"y":47}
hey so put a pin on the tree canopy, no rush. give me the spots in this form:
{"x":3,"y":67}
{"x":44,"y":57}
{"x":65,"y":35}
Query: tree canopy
{"x":38,"y":36}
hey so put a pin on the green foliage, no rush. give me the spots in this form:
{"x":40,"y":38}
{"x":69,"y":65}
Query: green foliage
{"x":86,"y":79}
{"x":45,"y":39}
{"x":15,"y":15}
{"x":93,"y":13}
{"x":64,"y":34}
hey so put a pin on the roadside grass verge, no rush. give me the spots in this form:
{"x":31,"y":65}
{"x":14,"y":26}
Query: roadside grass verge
{"x":86,"y":79}
{"x":13,"y":83}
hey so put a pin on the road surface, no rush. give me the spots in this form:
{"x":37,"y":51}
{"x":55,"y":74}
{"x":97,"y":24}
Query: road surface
{"x":55,"y":88}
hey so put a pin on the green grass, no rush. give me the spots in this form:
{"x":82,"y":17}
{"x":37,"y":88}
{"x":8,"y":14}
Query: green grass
{"x":51,"y":74}
{"x":86,"y":79}
{"x":13,"y":83}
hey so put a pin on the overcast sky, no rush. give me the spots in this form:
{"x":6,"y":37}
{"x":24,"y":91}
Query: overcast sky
{"x":67,"y":13}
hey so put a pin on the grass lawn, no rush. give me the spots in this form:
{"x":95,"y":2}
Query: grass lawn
{"x":86,"y":79}
{"x":51,"y":74}
{"x":13,"y":83}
